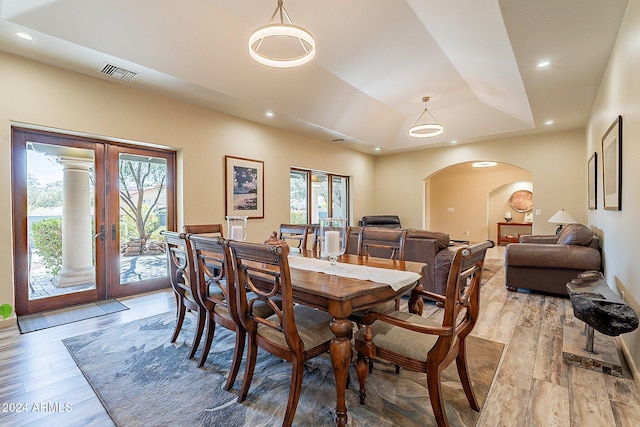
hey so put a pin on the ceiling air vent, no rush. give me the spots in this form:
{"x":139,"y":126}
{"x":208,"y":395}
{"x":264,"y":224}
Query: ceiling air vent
{"x":118,"y":73}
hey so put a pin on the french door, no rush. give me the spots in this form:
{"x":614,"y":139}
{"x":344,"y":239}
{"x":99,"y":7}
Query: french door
{"x":87,"y":216}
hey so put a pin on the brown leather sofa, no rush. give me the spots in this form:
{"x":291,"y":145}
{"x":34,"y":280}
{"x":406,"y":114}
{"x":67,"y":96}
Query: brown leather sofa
{"x":545,"y":263}
{"x":429,"y":247}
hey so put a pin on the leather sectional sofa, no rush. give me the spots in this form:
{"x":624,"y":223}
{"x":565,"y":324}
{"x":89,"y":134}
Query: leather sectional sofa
{"x":545,"y":263}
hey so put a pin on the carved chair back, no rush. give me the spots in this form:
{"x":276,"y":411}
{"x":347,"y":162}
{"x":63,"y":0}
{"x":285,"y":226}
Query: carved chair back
{"x":296,"y":235}
{"x":209,"y":229}
{"x":383,"y":243}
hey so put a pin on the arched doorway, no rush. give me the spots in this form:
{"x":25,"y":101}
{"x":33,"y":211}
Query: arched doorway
{"x":458,"y":198}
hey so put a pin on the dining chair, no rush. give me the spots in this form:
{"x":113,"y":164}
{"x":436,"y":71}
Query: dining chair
{"x":209,"y":229}
{"x":295,"y":333}
{"x":217,"y":299}
{"x":179,"y":260}
{"x":423,"y":345}
{"x":212,"y":294}
{"x":315,"y":232}
{"x":382,"y":243}
{"x":353,"y":241}
{"x":297,"y":233}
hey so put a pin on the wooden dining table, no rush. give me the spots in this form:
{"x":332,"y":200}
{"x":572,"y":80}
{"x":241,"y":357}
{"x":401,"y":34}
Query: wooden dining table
{"x":340,"y":297}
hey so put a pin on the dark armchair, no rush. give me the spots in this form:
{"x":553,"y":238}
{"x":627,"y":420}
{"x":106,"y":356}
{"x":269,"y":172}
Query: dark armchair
{"x":383,"y":221}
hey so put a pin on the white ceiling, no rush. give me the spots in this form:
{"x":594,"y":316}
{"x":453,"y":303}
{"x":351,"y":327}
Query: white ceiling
{"x":375,"y":60}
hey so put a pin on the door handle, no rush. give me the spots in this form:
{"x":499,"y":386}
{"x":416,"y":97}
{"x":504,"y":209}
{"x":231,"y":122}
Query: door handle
{"x":101,"y":233}
{"x":113,"y":232}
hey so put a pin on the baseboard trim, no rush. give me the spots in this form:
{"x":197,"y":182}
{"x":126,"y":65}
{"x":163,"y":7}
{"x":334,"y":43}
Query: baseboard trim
{"x":8,"y":323}
{"x":630,"y":362}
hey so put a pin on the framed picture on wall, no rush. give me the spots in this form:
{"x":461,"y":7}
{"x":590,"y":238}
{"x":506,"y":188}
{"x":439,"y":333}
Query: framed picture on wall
{"x":612,"y":166}
{"x":244,"y":187}
{"x":592,"y":181}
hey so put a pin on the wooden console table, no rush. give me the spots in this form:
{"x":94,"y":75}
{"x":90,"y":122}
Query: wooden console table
{"x":510,"y":232}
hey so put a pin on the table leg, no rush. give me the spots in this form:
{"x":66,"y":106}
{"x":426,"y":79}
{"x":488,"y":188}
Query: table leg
{"x":341,"y":360}
{"x":416,"y":304}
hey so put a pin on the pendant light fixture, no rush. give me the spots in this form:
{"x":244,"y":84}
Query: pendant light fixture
{"x":282,"y":30}
{"x":426,"y":130}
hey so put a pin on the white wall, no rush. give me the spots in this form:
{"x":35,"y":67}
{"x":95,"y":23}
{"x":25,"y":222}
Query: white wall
{"x":42,"y":95}
{"x":620,"y":95}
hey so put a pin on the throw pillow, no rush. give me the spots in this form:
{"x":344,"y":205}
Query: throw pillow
{"x":575,"y":234}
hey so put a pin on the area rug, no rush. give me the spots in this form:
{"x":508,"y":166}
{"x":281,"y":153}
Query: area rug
{"x":143,"y":380}
{"x":35,"y":322}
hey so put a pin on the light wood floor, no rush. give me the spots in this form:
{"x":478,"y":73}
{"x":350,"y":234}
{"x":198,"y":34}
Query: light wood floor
{"x":532,"y":387}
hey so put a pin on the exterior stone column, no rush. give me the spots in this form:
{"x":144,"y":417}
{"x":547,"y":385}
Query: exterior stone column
{"x":77,"y":233}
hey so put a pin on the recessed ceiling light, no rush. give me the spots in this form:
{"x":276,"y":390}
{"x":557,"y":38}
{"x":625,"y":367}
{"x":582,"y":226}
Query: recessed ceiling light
{"x":483,"y":164}
{"x":24,"y":36}
{"x":269,"y":114}
{"x":548,"y":122}
{"x":455,"y":141}
{"x":543,"y":64}
{"x":377,"y":149}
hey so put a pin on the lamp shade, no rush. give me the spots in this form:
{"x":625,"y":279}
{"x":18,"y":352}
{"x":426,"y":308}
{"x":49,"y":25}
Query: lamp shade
{"x":562,"y":217}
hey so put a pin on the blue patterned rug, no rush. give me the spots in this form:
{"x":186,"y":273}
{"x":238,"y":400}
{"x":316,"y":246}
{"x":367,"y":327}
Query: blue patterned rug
{"x":143,"y":380}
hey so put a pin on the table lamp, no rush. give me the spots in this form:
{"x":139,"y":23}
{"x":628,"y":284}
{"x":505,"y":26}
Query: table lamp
{"x":561,"y":217}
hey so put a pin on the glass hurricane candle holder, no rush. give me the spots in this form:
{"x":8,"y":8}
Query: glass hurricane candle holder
{"x":237,"y":228}
{"x":333,"y":238}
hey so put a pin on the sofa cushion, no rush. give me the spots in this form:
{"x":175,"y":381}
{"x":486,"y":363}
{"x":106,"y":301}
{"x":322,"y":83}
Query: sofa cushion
{"x":552,"y":256}
{"x":442,"y":239}
{"x":575,"y":234}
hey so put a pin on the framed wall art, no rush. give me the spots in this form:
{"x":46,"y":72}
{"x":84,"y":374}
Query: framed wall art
{"x":244,"y":187}
{"x":592,"y":181}
{"x":612,"y":166}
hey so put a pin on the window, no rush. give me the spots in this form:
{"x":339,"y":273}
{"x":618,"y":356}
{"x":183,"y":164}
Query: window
{"x":314,"y":195}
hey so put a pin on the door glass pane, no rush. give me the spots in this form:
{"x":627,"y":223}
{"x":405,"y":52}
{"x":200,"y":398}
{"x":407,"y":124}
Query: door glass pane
{"x":60,"y":220}
{"x":143,"y":214}
{"x":319,"y":197}
{"x":339,"y":197}
{"x":298,"y":197}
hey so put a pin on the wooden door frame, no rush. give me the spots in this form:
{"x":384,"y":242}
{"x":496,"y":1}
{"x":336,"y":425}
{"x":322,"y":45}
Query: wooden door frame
{"x":114,"y":289}
{"x":103,"y":170}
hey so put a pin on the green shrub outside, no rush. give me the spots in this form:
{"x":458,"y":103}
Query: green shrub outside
{"x":128,"y":229}
{"x":298,"y":216}
{"x":47,"y":239}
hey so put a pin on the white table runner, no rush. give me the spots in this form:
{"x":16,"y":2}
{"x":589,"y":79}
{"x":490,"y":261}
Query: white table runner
{"x":395,"y":278}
